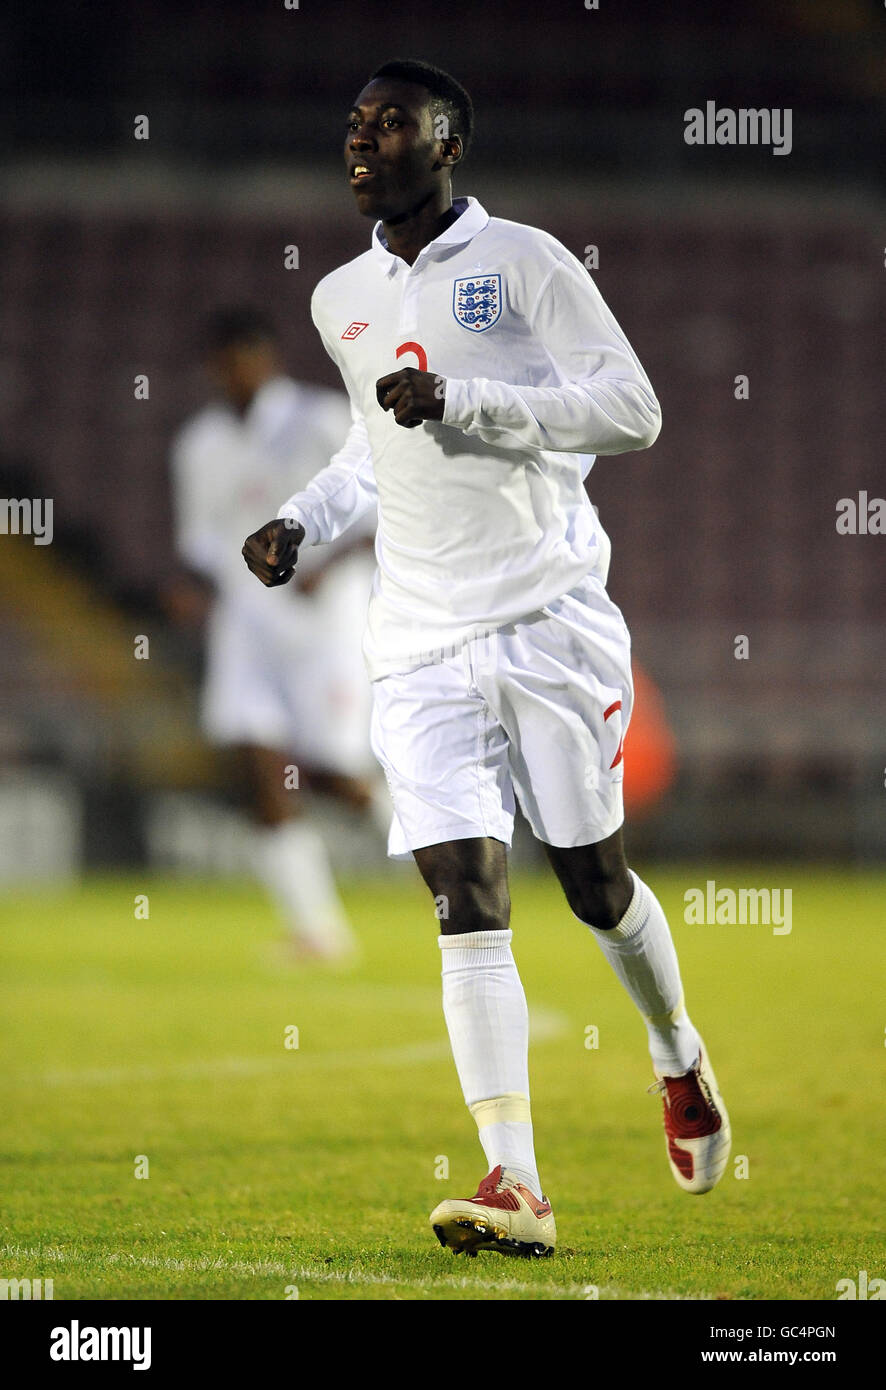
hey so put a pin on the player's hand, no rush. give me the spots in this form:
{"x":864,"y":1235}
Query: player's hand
{"x":413,"y":396}
{"x":271,"y":553}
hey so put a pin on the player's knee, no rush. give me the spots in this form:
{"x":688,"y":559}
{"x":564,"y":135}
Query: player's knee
{"x":473,"y":906}
{"x":601,"y":902}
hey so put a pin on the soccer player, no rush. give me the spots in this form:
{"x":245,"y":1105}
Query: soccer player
{"x":483,"y":368}
{"x":285,"y":685}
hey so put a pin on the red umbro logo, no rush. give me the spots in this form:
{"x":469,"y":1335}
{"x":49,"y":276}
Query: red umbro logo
{"x":354,"y":330}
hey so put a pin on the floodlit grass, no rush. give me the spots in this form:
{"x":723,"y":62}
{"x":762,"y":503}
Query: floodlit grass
{"x":274,"y":1170}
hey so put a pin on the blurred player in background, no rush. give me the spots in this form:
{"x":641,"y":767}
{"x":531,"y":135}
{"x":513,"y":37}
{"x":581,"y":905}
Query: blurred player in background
{"x":285,"y":685}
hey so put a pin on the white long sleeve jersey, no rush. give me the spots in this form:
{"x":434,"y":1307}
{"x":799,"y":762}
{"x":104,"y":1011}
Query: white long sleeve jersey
{"x":482,"y":517}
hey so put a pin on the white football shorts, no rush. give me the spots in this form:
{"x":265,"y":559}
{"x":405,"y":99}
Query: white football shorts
{"x":538,"y":708}
{"x":289,"y":673}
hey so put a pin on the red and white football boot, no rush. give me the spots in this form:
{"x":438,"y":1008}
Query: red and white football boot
{"x":697,"y":1133}
{"x":504,"y":1215}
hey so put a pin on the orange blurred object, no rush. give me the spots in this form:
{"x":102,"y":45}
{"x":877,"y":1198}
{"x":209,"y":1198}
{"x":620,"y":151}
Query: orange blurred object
{"x":650,"y":751}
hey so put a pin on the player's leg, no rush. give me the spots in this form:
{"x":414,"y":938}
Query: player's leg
{"x":488,"y":1024}
{"x":263,"y":776}
{"x":367,"y":794}
{"x":469,"y":880}
{"x":291,"y":857}
{"x":353,"y":792}
{"x":244,"y":709}
{"x":446,"y":761}
{"x":631,"y":928}
{"x":483,"y":1000}
{"x":561,"y":685}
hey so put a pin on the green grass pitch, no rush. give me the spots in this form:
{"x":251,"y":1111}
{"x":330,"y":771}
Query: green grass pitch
{"x":308,"y":1172}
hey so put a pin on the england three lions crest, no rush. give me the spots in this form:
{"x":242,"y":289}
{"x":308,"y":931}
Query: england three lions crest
{"x":476,"y":302}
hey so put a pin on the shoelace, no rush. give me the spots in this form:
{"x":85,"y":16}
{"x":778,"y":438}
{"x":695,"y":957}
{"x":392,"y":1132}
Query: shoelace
{"x":487,"y":1187}
{"x":661,"y":1084}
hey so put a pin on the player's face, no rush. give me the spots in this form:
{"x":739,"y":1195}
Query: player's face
{"x":390,"y":136}
{"x":241,"y":369}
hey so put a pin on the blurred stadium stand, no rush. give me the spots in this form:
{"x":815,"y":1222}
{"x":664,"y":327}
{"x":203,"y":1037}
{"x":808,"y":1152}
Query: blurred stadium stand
{"x":232,"y":83}
{"x":110,"y":257}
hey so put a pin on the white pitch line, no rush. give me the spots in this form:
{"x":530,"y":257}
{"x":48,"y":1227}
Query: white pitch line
{"x":545,"y":1024}
{"x":316,"y":1275}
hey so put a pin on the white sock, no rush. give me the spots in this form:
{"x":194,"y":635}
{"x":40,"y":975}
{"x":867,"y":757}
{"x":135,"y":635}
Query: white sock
{"x":641,"y":952}
{"x":293,"y":864}
{"x":488,"y":1022}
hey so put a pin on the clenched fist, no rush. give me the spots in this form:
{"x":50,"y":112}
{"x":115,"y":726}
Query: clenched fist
{"x":413,"y":396}
{"x":271,"y":552}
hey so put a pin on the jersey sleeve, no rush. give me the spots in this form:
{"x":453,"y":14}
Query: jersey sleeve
{"x":606,"y":404}
{"x":341,"y":494}
{"x":339,"y":421}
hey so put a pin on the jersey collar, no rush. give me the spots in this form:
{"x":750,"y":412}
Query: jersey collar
{"x":472,"y":218}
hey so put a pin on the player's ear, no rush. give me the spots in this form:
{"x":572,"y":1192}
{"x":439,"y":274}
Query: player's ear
{"x":451,"y":151}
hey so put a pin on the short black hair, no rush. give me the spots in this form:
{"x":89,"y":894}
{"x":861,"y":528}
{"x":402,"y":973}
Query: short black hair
{"x":450,"y":97}
{"x":238,"y":325}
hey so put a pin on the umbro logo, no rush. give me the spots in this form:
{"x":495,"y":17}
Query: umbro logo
{"x":354,"y":330}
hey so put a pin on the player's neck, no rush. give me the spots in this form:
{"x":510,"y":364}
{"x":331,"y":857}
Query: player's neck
{"x":242,"y":405}
{"x":410,"y":233}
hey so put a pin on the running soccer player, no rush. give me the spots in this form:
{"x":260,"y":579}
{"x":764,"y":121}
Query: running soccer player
{"x":483,"y":368}
{"x":285,"y":686}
